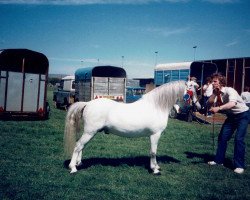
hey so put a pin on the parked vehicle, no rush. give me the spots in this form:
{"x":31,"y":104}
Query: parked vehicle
{"x":23,"y":77}
{"x":100,"y":82}
{"x":65,"y":93}
{"x":134,"y":93}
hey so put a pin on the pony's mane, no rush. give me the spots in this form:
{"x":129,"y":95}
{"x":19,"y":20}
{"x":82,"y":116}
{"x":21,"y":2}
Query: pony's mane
{"x":165,"y":96}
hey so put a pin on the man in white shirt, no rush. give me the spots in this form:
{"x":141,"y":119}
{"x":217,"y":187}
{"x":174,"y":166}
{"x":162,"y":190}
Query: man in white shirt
{"x":237,"y":121}
{"x":207,"y":92}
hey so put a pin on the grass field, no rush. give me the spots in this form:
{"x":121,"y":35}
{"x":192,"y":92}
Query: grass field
{"x":33,"y":166}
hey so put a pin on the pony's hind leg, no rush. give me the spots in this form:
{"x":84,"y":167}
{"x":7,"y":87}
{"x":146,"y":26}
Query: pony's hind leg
{"x":153,"y":162}
{"x":79,"y":159}
{"x":77,"y":153}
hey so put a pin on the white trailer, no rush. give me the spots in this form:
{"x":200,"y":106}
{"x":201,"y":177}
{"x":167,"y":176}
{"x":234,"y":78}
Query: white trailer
{"x":23,"y":77}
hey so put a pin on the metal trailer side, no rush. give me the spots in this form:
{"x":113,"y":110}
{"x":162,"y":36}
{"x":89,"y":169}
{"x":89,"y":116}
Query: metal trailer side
{"x":100,"y":82}
{"x":23,"y":76}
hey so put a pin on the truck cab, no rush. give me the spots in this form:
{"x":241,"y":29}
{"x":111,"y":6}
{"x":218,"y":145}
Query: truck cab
{"x":64,"y":95}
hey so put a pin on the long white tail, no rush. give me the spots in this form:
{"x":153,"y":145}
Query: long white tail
{"x":73,"y":127}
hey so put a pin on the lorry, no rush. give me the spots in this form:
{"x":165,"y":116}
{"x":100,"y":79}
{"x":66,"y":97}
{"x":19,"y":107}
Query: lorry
{"x":64,"y":95}
{"x":23,"y":88}
{"x":100,"y":82}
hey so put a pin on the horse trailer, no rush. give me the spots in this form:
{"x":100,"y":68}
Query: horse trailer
{"x":23,"y":77}
{"x":236,"y":70}
{"x":165,"y":73}
{"x":100,"y":82}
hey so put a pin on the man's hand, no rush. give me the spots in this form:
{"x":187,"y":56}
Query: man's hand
{"x":214,"y":109}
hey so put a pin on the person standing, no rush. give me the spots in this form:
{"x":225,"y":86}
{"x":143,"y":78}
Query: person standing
{"x":193,"y":83}
{"x":207,"y":92}
{"x":246,"y":96}
{"x":237,"y":121}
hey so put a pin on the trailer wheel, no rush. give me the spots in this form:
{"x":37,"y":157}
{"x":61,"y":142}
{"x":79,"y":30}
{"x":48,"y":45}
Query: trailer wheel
{"x":58,"y":105}
{"x":47,"y":111}
{"x":66,"y":104}
{"x":173,"y":113}
{"x":189,"y":116}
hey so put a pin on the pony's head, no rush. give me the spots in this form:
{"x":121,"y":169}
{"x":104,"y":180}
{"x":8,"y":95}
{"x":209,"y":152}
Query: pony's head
{"x":190,"y":95}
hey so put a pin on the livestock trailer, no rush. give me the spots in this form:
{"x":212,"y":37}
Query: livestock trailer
{"x":100,"y":82}
{"x":168,"y":72}
{"x":165,"y":73}
{"x":236,"y":70}
{"x":23,"y":77}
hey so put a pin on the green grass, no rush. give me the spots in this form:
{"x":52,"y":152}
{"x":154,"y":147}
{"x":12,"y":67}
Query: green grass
{"x":33,"y":166}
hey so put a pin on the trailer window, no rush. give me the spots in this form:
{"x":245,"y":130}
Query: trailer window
{"x":175,"y":75}
{"x":73,"y":84}
{"x":159,"y":77}
{"x":167,"y":78}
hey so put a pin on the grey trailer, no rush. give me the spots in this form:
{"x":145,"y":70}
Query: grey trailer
{"x":100,"y":82}
{"x":23,"y":77}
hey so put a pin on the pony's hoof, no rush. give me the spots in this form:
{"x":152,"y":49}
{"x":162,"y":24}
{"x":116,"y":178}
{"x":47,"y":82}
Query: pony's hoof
{"x":79,"y":164}
{"x":156,"y":172}
{"x":74,"y":170}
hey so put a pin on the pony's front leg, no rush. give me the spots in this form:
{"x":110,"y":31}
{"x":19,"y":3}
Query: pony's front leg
{"x":153,"y":162}
{"x":77,"y":153}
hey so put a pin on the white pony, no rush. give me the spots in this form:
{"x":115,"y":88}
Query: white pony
{"x":147,"y":117}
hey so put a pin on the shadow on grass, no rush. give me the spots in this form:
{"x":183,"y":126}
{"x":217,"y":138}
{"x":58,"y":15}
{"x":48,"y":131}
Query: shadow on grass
{"x":207,"y":157}
{"x":143,"y":161}
{"x":23,"y":118}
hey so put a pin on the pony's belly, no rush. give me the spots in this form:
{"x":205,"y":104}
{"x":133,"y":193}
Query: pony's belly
{"x":129,"y":132}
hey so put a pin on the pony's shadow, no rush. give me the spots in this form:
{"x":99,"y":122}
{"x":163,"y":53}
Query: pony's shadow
{"x":207,"y":157}
{"x":141,"y":161}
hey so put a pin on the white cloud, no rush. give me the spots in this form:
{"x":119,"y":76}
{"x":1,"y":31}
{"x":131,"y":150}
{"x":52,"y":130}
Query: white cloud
{"x":165,"y":31}
{"x":95,"y":46}
{"x":221,"y":1}
{"x":233,"y":43}
{"x":89,"y":2}
{"x":79,"y":60}
{"x":86,"y":2}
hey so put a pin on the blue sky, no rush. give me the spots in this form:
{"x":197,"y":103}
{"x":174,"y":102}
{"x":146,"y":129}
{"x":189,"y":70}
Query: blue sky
{"x":83,"y":33}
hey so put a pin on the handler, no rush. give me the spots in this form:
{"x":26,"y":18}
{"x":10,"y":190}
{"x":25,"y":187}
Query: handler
{"x":237,"y":119}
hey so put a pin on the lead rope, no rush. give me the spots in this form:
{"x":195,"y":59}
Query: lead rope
{"x":213,"y":132}
{"x":213,"y":128}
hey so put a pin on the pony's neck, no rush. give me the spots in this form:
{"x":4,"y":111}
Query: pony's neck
{"x":165,"y":96}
